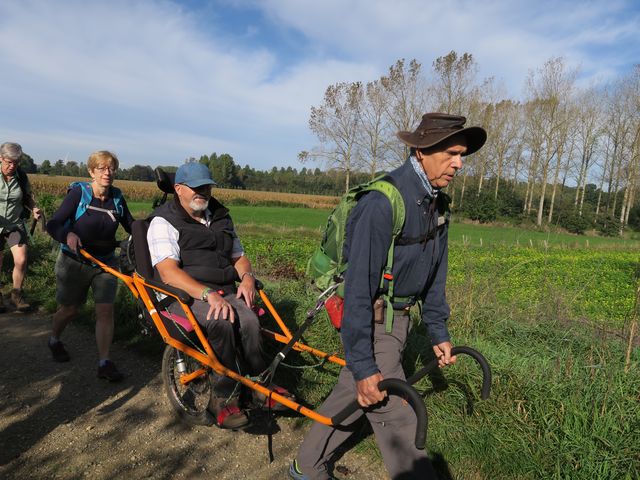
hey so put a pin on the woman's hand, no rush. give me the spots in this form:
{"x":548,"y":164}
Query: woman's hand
{"x":73,"y":242}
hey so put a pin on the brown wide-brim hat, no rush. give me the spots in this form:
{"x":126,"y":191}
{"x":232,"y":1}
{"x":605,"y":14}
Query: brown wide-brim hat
{"x":437,"y":127}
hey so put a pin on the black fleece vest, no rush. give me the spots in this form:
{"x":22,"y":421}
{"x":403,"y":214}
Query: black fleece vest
{"x":205,"y":252}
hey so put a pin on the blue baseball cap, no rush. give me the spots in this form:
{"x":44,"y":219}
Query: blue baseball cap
{"x":194,"y":175}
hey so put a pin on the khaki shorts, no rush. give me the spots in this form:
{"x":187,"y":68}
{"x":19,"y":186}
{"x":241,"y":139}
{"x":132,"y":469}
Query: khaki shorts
{"x":13,"y":238}
{"x":73,"y":279}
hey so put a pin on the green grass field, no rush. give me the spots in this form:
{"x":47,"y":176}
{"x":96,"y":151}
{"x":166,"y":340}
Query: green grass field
{"x":283,"y":220}
{"x":478,"y":235}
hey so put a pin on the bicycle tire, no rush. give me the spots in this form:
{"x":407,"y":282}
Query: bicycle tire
{"x":189,"y":401}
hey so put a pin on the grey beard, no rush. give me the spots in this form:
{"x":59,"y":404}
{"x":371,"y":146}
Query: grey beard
{"x":197,"y":206}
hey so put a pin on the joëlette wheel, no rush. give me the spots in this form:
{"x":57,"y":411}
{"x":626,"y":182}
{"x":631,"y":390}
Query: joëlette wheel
{"x":190,"y":401}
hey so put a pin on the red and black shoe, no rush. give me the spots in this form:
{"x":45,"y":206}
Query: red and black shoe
{"x":227,"y":413}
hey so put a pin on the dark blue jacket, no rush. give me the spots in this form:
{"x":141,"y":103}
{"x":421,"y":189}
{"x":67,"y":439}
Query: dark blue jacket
{"x":92,"y":226}
{"x":419,"y":269}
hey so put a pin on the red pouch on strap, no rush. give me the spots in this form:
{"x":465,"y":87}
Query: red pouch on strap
{"x":335,"y":307}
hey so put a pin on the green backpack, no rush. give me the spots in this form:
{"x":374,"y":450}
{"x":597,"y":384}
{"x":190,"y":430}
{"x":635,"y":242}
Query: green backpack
{"x":326,"y":266}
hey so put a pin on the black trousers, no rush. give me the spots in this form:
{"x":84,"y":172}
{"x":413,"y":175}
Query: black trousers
{"x":237,"y":345}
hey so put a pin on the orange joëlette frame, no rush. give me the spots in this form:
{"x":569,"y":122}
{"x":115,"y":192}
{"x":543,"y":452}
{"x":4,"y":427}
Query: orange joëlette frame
{"x":138,"y":287}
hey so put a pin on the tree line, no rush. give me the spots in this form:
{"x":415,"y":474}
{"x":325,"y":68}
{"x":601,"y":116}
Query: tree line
{"x":225,"y":171}
{"x":560,"y":155}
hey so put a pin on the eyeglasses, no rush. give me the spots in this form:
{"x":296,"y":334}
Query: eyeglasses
{"x":10,"y":163}
{"x":104,"y":169}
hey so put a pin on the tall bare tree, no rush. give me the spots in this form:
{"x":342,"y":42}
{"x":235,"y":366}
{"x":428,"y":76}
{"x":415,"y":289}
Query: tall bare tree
{"x":505,"y":138}
{"x":455,"y":77}
{"x":406,"y":100}
{"x":374,"y":132}
{"x":619,"y":133}
{"x":454,"y":92}
{"x":631,"y":92}
{"x":566,"y":145}
{"x":588,"y":132}
{"x":549,"y":92}
{"x":336,"y":123}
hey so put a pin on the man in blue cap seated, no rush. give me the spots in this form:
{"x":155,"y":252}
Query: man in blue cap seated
{"x":194,"y":247}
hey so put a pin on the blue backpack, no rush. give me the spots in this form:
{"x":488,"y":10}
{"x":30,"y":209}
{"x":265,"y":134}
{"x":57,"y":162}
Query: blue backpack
{"x":87,"y":195}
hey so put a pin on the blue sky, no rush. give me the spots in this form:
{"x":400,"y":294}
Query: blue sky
{"x":158,"y":81}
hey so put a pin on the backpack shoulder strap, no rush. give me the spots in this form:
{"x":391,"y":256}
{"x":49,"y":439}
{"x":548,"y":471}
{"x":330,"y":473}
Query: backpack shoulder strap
{"x":118,"y":200}
{"x":85,"y":197}
{"x":387,"y":186}
{"x":27,"y":200}
{"x":21,"y":177}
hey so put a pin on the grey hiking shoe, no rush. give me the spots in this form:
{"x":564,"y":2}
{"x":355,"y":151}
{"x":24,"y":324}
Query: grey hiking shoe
{"x":296,"y":473}
{"x":18,"y":301}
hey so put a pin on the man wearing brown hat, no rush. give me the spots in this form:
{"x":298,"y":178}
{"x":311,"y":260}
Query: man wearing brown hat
{"x":419,"y":271}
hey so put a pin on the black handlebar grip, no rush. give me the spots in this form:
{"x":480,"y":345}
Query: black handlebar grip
{"x":477,"y":356}
{"x":401,"y":388}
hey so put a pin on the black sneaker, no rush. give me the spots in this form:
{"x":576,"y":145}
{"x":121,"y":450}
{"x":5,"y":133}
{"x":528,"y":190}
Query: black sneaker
{"x":110,"y":372}
{"x":58,"y":352}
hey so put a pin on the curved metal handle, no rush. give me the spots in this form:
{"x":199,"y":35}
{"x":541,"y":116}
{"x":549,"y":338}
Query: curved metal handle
{"x":395,"y":386}
{"x":34,"y":223}
{"x":477,"y":356}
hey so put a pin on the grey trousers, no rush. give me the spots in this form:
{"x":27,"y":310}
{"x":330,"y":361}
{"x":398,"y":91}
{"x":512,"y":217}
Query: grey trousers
{"x":393,"y":422}
{"x":237,"y":345}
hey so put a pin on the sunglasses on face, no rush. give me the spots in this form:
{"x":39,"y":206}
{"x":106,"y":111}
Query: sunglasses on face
{"x":203,"y":189}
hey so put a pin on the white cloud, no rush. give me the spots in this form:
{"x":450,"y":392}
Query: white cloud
{"x":101,"y":69}
{"x":507,"y":37}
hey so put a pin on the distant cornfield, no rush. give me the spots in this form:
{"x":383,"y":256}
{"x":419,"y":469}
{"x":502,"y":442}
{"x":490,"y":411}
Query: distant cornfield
{"x":141,"y":191}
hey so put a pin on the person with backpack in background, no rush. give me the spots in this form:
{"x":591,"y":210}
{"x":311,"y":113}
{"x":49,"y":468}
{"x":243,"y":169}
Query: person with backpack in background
{"x":375,"y":321}
{"x":16,"y":201}
{"x":88,"y":218}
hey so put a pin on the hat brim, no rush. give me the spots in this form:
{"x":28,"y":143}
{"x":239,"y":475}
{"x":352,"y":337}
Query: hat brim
{"x":198,"y":182}
{"x":475,"y":137}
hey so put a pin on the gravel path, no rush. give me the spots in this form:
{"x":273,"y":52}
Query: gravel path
{"x":60,"y":421}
